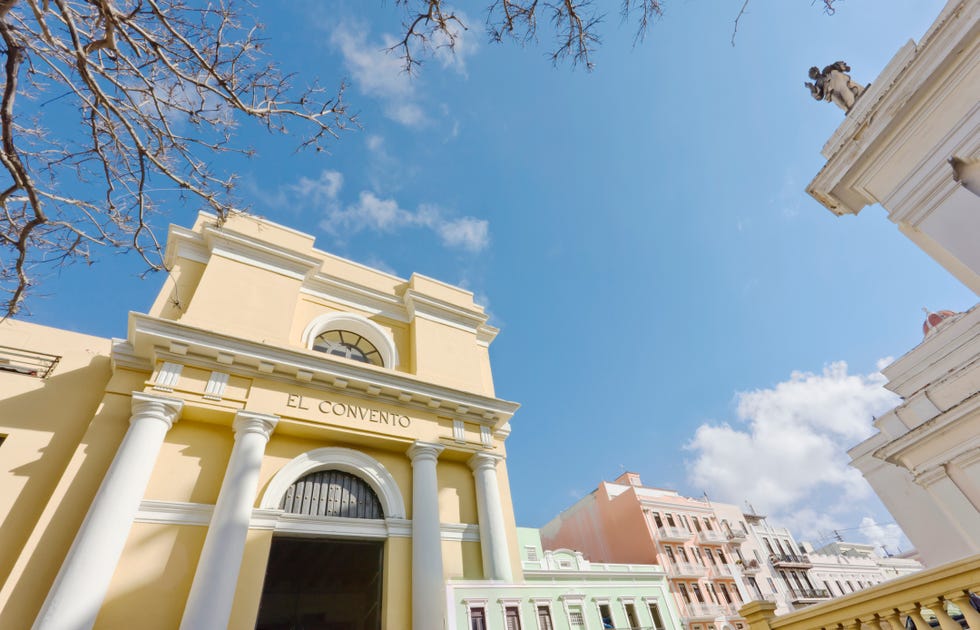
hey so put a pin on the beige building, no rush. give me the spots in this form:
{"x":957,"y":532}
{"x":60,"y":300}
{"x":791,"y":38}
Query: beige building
{"x":286,"y":438}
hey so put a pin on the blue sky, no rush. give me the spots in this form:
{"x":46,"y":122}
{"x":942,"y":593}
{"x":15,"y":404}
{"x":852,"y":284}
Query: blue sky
{"x":671,"y":301}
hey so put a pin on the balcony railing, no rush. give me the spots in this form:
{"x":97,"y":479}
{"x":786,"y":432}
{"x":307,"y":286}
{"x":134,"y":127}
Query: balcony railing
{"x":751,"y":567}
{"x":735,"y":535}
{"x":943,"y":593}
{"x":696,"y":610}
{"x":27,"y":362}
{"x":712,"y":537}
{"x":722,"y":570}
{"x":809,"y":594}
{"x":674,"y":533}
{"x":685,"y":569}
{"x":789,"y":559}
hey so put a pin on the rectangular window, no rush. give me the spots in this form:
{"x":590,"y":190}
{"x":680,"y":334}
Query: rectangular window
{"x":512,"y":617}
{"x":532,"y":553}
{"x":656,"y":519}
{"x":670,"y":554}
{"x":478,"y":619}
{"x":840,"y":587}
{"x":712,"y":593}
{"x":707,"y":524}
{"x":544,"y":618}
{"x":687,"y":526}
{"x":683,"y":553}
{"x":670,"y":519}
{"x":721,"y":557}
{"x":658,"y":621}
{"x":631,"y":617}
{"x":697,"y":525}
{"x":724,"y":593}
{"x":768,"y":545}
{"x":697,"y":592}
{"x":605,"y":614}
{"x":575,"y":618}
{"x":772,"y":585}
{"x":687,"y":598}
{"x":697,"y":556}
{"x":711,"y":556}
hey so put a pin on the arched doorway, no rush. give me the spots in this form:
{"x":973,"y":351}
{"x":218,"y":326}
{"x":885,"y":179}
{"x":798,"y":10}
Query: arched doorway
{"x":324,"y":582}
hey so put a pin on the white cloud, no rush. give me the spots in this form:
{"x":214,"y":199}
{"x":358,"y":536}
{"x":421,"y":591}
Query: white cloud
{"x":372,"y":212}
{"x":379,"y":73}
{"x":378,"y":70}
{"x":787,"y":452}
{"x":888,"y":536}
{"x":467,"y":233}
{"x":321,"y":190}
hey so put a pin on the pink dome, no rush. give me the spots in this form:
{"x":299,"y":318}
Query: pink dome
{"x":933,"y":320}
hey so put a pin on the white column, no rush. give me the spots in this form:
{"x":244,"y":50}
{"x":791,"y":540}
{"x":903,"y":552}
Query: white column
{"x":493,"y":533}
{"x":213,"y":590}
{"x":76,"y":596}
{"x":427,"y":582}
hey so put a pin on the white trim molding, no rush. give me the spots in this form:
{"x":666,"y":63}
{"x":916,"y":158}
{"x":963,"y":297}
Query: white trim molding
{"x":335,"y":458}
{"x":357,"y":324}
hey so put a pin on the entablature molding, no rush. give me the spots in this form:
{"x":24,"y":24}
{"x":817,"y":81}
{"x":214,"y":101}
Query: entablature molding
{"x":152,"y":339}
{"x":915,"y":78}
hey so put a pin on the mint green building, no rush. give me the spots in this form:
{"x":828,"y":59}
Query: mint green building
{"x":562,"y":590}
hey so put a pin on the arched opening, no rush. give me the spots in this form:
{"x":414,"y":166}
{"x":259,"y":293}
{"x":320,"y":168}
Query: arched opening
{"x":323,"y":582}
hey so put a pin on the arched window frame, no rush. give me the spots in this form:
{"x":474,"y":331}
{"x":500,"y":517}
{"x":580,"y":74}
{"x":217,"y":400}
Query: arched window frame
{"x":357,"y":324}
{"x":343,"y":459}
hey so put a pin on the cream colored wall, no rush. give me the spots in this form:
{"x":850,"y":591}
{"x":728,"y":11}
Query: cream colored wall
{"x":178,"y":288}
{"x":60,"y":435}
{"x":448,"y":356}
{"x":237,"y":299}
{"x":153,"y":577}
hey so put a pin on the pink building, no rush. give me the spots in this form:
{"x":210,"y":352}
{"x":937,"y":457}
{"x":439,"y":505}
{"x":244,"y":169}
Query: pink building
{"x":624,"y":521}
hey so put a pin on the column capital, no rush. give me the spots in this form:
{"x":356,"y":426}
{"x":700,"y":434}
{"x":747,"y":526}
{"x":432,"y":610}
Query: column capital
{"x":252,"y":422}
{"x":481,"y":461}
{"x":155,"y":406}
{"x":423,"y":451}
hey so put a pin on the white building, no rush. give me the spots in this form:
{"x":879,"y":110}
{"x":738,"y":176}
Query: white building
{"x":841,"y":568}
{"x":912,"y":145}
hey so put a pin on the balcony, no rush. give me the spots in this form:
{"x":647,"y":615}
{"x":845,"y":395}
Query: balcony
{"x":942,"y":594}
{"x":684,"y":569}
{"x":790,"y":561}
{"x":735,"y":535}
{"x":808,"y":595}
{"x":28,"y":363}
{"x":721,"y":570}
{"x":674,"y":534}
{"x":750,"y":568}
{"x":697,"y":611}
{"x":712,"y":537}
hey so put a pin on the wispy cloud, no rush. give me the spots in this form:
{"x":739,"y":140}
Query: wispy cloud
{"x":787,"y":451}
{"x":378,"y":71}
{"x":372,"y":212}
{"x":376,"y":213}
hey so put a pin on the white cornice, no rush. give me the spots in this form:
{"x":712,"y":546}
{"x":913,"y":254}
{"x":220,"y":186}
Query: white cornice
{"x":260,"y":254}
{"x":152,"y":338}
{"x":901,"y":86}
{"x":356,"y":296}
{"x":427,"y":307}
{"x":947,"y":351}
{"x":186,"y":513}
{"x":894,"y":451}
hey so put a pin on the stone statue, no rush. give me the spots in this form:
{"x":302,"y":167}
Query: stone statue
{"x":835,"y":85}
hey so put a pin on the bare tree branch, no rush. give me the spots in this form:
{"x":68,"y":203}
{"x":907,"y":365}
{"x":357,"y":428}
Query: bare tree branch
{"x":148,"y":90}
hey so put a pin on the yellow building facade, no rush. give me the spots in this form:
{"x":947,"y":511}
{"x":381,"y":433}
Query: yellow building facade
{"x":280,"y":417}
